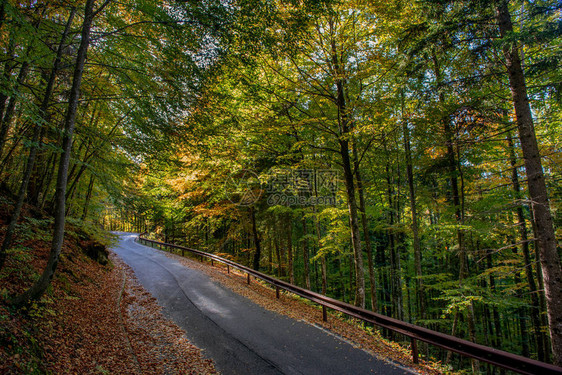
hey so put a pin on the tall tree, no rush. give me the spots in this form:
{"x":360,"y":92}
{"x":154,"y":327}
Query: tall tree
{"x":546,"y":239}
{"x":39,"y":287}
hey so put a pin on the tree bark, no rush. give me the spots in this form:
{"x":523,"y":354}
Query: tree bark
{"x":291,"y":266}
{"x":546,"y":240}
{"x":395,"y":272}
{"x":305,"y":255}
{"x":8,"y":67}
{"x":257,"y":244}
{"x":366,"y":235}
{"x":323,"y":267}
{"x":6,"y":121}
{"x":39,"y":287}
{"x":420,"y":292}
{"x":88,"y":197}
{"x":344,"y":125}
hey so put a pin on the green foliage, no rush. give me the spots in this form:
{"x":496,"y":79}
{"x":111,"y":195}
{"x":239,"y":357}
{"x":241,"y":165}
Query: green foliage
{"x":182,"y":98}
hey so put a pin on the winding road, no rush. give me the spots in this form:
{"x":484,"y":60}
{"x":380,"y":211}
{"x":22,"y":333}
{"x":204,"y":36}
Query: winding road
{"x":239,"y":335}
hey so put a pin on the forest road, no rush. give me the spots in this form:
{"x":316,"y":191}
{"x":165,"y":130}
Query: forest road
{"x":239,"y":335}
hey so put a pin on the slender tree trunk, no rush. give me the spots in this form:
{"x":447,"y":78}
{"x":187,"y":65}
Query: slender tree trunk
{"x":49,"y":174}
{"x":395,"y":276}
{"x":549,"y":258}
{"x":323,"y":257}
{"x":541,"y":291}
{"x":278,"y":256}
{"x":270,"y":255}
{"x":257,"y":244}
{"x":39,"y":287}
{"x":6,"y":121}
{"x":289,"y":226}
{"x":344,"y":131}
{"x":305,"y":254}
{"x":88,"y":197}
{"x":8,"y":67}
{"x":521,"y":319}
{"x":420,"y":292}
{"x":366,"y":235}
{"x":2,"y":14}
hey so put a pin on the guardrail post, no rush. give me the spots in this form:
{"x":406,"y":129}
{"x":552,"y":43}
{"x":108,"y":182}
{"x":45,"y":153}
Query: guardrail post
{"x":248,"y":278}
{"x":324,"y":313}
{"x":227,"y":268}
{"x":182,"y":252}
{"x":212,"y":263}
{"x":415,"y":358}
{"x":277,"y":291}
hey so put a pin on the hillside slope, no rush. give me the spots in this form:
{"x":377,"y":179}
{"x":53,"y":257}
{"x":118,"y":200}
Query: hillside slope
{"x":95,"y":318}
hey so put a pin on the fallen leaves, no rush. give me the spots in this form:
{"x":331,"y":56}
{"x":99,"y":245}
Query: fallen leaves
{"x":159,"y":345}
{"x":96,"y":320}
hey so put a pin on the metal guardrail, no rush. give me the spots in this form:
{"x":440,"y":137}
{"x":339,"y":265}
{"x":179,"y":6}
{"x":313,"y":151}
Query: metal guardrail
{"x":467,"y":348}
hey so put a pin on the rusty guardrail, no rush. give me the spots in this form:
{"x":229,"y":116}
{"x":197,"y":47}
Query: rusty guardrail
{"x":467,"y":348}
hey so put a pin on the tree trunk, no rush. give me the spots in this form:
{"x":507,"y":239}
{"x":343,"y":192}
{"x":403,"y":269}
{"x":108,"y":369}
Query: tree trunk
{"x":270,"y":256}
{"x":8,"y":67}
{"x":88,"y":197}
{"x":344,"y":130}
{"x":39,"y":287}
{"x":549,"y":258}
{"x":366,"y":235}
{"x":305,"y":254}
{"x":323,"y":257}
{"x":6,"y":121}
{"x":289,"y":226}
{"x":420,"y":292}
{"x":278,"y":256}
{"x":395,"y":275}
{"x":257,"y":253}
{"x":2,"y":14}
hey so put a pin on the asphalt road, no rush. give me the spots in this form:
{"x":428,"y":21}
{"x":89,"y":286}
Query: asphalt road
{"x":240,"y":336}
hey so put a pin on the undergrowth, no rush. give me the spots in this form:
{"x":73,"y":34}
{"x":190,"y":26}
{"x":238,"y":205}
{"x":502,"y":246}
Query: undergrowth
{"x":20,"y":350}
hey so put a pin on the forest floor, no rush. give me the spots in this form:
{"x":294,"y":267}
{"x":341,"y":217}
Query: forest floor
{"x":94,"y":319}
{"x":351,"y":330}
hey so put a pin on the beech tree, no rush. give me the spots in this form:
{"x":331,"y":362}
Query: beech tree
{"x":39,"y":287}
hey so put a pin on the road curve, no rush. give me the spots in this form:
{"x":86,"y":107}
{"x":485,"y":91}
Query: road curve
{"x":240,"y":336}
